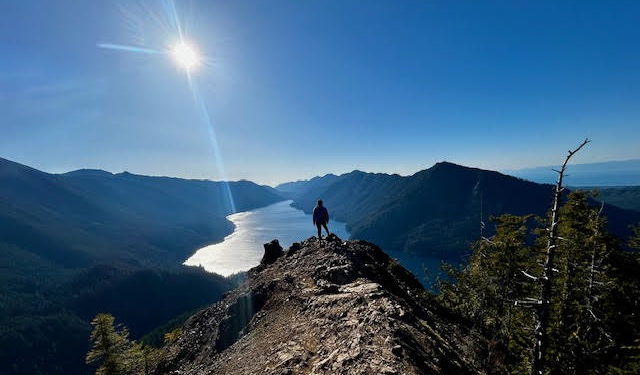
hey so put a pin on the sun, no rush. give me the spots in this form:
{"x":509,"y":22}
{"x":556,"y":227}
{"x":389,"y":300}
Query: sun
{"x":186,"y":56}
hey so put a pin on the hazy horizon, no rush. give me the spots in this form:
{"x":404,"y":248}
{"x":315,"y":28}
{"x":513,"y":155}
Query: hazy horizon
{"x":513,"y":172}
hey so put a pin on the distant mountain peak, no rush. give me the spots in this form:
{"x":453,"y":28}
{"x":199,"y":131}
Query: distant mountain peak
{"x":444,"y":162}
{"x":448,"y":164}
{"x":326,"y":175}
{"x":9,"y":166}
{"x":89,"y":172}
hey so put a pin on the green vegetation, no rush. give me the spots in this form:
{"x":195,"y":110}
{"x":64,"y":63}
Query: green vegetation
{"x":157,"y":337}
{"x":110,"y":347}
{"x":43,"y":328}
{"x":116,"y":354}
{"x":593,"y":304}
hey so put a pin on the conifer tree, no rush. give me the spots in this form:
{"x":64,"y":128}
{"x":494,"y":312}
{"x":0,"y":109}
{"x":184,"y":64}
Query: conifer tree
{"x":594,"y":299}
{"x":485,"y":290}
{"x":626,"y":304}
{"x":141,"y":359}
{"x":634,"y":242}
{"x":578,"y":333}
{"x":171,"y":337}
{"x":109,"y":346}
{"x":117,"y":354}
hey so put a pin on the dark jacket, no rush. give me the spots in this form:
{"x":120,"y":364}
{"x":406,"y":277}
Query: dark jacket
{"x":320,"y":215}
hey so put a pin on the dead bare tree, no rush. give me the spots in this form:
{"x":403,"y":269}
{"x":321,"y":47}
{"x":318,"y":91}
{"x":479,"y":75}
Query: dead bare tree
{"x":542,"y":305}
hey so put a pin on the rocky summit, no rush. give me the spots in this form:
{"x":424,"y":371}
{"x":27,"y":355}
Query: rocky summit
{"x":336,"y":307}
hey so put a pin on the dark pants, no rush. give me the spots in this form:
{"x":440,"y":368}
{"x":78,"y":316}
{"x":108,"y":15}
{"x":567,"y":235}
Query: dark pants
{"x":320,"y":225}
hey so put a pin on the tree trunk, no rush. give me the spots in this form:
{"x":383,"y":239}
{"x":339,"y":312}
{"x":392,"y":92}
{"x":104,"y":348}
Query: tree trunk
{"x":542,"y":312}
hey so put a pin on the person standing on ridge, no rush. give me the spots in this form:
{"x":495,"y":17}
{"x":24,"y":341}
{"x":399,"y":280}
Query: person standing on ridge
{"x":321,"y":218}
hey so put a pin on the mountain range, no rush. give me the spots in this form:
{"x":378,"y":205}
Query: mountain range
{"x":75,"y":244}
{"x":89,"y":241}
{"x":435,"y":213}
{"x":95,"y":211}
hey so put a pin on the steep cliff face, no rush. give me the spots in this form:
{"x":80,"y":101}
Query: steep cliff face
{"x":340,"y":308}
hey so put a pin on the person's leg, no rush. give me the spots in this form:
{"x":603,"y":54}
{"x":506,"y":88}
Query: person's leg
{"x":325,"y":228}
{"x":319,"y":231}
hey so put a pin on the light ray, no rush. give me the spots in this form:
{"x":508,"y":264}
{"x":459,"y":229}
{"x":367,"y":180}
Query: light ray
{"x":121,"y":47}
{"x":170,"y":8}
{"x":188,"y":58}
{"x":133,"y":24}
{"x":166,"y":28}
{"x":204,"y":113}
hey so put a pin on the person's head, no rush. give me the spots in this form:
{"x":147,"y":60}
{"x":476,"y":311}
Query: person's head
{"x":319,"y":202}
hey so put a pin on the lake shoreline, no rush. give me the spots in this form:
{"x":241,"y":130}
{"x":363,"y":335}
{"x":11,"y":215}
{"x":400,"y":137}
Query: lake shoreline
{"x":243,"y":248}
{"x":233,"y":229}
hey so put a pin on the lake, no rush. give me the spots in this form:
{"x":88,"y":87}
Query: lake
{"x":242,"y":249}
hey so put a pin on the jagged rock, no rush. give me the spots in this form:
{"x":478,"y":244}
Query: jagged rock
{"x":293,"y":248}
{"x":339,"y":308}
{"x":272,"y":251}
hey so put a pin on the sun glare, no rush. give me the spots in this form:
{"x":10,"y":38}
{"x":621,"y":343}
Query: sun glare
{"x":186,"y":55}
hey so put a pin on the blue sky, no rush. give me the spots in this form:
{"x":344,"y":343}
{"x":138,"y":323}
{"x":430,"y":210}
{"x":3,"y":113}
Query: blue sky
{"x":301,"y":88}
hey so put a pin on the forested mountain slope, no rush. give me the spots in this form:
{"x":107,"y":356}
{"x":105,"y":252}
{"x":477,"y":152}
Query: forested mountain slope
{"x":88,"y":215}
{"x":75,"y":244}
{"x":436,"y":212}
{"x":627,"y":197}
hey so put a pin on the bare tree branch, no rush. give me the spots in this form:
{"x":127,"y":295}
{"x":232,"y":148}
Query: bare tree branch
{"x":529,"y":276}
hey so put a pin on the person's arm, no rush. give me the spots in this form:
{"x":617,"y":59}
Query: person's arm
{"x":327,"y":212}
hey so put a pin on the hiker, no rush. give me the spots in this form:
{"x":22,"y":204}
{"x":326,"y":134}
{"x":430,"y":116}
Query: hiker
{"x":321,"y":218}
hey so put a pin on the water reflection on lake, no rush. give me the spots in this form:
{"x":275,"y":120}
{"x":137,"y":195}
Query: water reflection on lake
{"x":243,"y":249}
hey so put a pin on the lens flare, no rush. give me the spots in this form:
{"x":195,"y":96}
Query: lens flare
{"x":186,"y":56}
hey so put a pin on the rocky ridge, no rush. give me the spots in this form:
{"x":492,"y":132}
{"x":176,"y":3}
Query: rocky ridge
{"x":343,"y":307}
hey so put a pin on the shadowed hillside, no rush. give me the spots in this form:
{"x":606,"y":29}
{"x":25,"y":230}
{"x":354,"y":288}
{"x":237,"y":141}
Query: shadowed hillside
{"x":86,"y":215}
{"x":436,"y":212}
{"x":627,"y":197}
{"x":79,"y":243}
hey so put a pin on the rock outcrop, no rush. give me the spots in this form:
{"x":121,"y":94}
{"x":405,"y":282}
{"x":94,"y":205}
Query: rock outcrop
{"x":341,"y":308}
{"x":272,"y":251}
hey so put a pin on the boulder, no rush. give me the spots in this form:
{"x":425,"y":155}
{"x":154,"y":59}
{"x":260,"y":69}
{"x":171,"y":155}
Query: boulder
{"x":293,"y":248}
{"x":272,"y":251}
